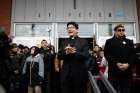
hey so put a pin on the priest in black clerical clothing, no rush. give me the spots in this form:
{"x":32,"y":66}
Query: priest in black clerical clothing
{"x":74,"y":52}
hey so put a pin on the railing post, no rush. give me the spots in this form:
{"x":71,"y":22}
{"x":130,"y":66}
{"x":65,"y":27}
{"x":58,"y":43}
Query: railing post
{"x":93,"y":83}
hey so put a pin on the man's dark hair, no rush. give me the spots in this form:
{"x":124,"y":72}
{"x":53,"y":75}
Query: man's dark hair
{"x":21,"y":46}
{"x":13,"y":45}
{"x":43,"y":40}
{"x":119,"y":25}
{"x":74,"y":24}
{"x":4,"y":44}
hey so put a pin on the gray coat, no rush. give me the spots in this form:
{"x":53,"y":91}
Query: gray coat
{"x":34,"y":69}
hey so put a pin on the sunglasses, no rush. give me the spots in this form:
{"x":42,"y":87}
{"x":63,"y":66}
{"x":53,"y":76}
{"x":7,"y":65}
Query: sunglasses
{"x":119,"y":30}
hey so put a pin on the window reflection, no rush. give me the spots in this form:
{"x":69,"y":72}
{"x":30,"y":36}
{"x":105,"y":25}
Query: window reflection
{"x":105,"y":29}
{"x":33,"y":30}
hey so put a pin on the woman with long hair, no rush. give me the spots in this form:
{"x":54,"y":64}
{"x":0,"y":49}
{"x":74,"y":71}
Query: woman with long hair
{"x":34,"y":70}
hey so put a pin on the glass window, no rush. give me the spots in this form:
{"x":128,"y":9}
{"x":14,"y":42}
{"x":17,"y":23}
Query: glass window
{"x":23,"y":30}
{"x":85,"y":30}
{"x":62,"y":31}
{"x":105,"y":30}
{"x":129,"y":28}
{"x":33,"y":30}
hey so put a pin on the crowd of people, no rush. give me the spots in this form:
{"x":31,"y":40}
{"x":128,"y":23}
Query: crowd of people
{"x":35,"y":69}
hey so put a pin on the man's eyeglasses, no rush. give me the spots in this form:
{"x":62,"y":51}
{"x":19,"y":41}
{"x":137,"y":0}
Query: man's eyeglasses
{"x":70,"y":27}
{"x":119,"y":30}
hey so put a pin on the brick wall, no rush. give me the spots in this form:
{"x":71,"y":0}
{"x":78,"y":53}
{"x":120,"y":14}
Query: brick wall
{"x":5,"y":14}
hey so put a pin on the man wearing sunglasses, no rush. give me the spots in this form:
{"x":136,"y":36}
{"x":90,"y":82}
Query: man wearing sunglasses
{"x":119,"y":52}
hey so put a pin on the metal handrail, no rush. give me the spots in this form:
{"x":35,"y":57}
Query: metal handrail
{"x":107,"y":83}
{"x":93,"y":83}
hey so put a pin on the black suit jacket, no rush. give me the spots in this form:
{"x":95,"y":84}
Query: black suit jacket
{"x":81,"y":46}
{"x":74,"y":64}
{"x":119,"y":51}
